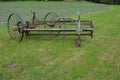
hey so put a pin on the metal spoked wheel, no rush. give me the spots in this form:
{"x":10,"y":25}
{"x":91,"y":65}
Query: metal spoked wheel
{"x":53,"y":18}
{"x":52,"y":22}
{"x":15,"y":27}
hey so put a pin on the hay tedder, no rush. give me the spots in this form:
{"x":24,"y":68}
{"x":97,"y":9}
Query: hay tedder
{"x":52,"y":24}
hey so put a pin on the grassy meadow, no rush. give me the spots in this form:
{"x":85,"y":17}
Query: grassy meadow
{"x":56,"y":58}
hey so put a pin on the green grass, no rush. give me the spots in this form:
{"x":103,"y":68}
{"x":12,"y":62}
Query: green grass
{"x":56,"y":58}
{"x":42,"y":8}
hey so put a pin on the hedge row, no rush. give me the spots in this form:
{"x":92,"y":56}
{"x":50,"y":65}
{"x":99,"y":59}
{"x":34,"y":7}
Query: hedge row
{"x":31,"y":0}
{"x":97,"y":1}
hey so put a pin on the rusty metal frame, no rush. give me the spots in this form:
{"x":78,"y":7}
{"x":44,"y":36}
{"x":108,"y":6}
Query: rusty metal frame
{"x":30,"y":26}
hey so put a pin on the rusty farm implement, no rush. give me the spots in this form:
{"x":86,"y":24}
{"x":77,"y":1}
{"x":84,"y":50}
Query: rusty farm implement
{"x":52,"y":24}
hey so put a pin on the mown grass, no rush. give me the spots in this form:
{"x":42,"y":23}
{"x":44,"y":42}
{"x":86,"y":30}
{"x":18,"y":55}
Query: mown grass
{"x":56,"y":58}
{"x":42,"y":8}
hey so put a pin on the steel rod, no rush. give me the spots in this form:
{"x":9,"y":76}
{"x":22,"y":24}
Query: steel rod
{"x":59,"y":34}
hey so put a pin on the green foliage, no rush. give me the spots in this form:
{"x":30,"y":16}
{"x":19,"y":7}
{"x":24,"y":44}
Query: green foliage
{"x":103,"y":1}
{"x":110,"y":1}
{"x":32,"y":0}
{"x":55,"y":0}
{"x":97,"y":1}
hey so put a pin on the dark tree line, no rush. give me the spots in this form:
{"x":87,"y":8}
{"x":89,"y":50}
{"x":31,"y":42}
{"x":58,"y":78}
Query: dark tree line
{"x":31,"y":0}
{"x":96,"y":1}
{"x":106,"y":1}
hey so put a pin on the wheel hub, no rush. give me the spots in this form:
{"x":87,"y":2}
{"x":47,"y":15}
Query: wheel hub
{"x":20,"y":27}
